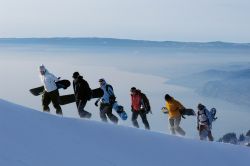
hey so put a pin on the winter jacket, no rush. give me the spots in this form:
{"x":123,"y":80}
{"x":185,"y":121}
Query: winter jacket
{"x":173,"y":107}
{"x":82,"y":89}
{"x":136,"y":101}
{"x":107,"y":92}
{"x":48,"y":81}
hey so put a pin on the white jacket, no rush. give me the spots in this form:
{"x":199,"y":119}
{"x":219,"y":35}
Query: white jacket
{"x":48,"y":81}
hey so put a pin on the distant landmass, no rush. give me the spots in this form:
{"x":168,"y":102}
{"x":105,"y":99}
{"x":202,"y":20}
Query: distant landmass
{"x":120,"y":43}
{"x":232,"y":86}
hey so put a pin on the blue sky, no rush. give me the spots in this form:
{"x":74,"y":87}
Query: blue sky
{"x":178,"y":20}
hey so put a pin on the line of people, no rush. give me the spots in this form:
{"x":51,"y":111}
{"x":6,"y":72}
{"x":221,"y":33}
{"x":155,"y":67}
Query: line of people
{"x":139,"y":104}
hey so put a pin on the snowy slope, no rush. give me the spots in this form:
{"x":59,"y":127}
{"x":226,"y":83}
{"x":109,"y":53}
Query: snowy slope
{"x":29,"y":137}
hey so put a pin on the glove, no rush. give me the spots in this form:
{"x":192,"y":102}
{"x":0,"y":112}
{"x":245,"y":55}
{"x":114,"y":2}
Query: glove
{"x":96,"y":103}
{"x":164,"y":110}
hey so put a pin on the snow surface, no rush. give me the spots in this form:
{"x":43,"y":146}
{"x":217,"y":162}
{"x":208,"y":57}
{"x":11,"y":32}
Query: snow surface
{"x":29,"y":137}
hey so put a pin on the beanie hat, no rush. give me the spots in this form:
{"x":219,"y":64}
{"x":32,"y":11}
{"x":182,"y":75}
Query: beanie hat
{"x":102,"y":80}
{"x":168,"y":97}
{"x":200,"y":106}
{"x":75,"y":75}
{"x":42,"y":68}
{"x":132,"y":89}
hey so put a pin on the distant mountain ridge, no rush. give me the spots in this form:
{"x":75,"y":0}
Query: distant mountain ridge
{"x":232,"y":86}
{"x":120,"y":42}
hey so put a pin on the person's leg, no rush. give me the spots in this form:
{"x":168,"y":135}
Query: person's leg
{"x":111,"y":116}
{"x":134,"y":119}
{"x":46,"y":101}
{"x":177,"y":126}
{"x":82,"y":113}
{"x":203,"y":132}
{"x":210,"y":136}
{"x":171,"y":123}
{"x":54,"y":95}
{"x":144,"y":119}
{"x":103,"y":113}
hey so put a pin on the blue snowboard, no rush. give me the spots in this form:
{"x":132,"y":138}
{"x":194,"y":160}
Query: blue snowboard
{"x":120,"y":111}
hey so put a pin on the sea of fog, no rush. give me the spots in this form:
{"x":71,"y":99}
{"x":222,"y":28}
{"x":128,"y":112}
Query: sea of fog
{"x":146,"y":71}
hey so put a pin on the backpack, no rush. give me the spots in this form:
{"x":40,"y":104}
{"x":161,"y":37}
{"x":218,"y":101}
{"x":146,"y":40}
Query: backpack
{"x":146,"y":103}
{"x":207,"y":115}
{"x":112,"y":97}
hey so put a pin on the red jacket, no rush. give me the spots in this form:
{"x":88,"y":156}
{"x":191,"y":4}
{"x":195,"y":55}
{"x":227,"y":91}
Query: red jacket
{"x":136,"y":101}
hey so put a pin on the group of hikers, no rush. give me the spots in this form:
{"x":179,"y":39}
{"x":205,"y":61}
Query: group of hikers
{"x":139,"y":104}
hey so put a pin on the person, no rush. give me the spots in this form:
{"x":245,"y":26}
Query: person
{"x":204,"y":123}
{"x":82,"y":94}
{"x":51,"y":93}
{"x":140,"y":107}
{"x":173,"y":106}
{"x":106,"y":102}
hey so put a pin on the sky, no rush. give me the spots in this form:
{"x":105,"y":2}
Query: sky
{"x":161,"y":20}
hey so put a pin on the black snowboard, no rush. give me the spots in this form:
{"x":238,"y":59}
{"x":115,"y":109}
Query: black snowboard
{"x":67,"y":99}
{"x":97,"y":93}
{"x":60,"y":84}
{"x":186,"y":111}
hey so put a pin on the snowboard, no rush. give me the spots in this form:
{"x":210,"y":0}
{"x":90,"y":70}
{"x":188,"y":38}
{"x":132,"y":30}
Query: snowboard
{"x":61,"y":84}
{"x":67,"y":99}
{"x":96,"y":93}
{"x":120,"y":111}
{"x":185,"y":111}
{"x":213,"y":113}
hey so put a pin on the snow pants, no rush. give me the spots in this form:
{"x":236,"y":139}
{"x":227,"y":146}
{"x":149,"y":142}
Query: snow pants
{"x":143,"y":116}
{"x":80,"y":107}
{"x":175,"y":126}
{"x":106,"y":110}
{"x":53,"y":97}
{"x":205,"y":132}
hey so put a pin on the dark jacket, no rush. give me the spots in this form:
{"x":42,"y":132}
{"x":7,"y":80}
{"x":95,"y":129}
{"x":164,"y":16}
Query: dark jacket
{"x":81,"y":89}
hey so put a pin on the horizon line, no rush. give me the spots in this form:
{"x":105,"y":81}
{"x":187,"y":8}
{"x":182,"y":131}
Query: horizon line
{"x":112,"y":38}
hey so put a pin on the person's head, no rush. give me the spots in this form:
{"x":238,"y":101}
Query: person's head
{"x":133,"y":90}
{"x":200,"y":106}
{"x":42,"y":69}
{"x":75,"y":75}
{"x":102,"y":81}
{"x":168,"y":97}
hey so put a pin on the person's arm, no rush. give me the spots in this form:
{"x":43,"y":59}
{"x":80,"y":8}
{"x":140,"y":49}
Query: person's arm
{"x":97,"y":101}
{"x":54,"y":77}
{"x":198,"y":120}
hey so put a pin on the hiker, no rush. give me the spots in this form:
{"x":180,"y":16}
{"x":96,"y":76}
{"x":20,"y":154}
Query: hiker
{"x":204,"y":123}
{"x":51,"y":93}
{"x":139,"y":106}
{"x":82,"y":94}
{"x":173,"y":107}
{"x":106,"y":102}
